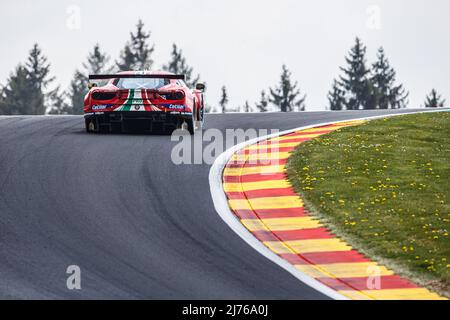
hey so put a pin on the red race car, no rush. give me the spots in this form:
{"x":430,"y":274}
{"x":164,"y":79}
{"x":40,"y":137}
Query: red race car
{"x":143,"y":101}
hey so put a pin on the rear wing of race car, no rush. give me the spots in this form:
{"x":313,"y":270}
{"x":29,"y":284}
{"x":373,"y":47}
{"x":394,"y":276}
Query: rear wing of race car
{"x":136,"y":76}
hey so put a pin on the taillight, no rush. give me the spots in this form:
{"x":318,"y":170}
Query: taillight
{"x":103,"y":95}
{"x":178,"y":95}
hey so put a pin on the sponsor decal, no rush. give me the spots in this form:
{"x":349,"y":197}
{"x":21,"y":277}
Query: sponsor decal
{"x":181,"y":113}
{"x":101,"y":106}
{"x":174,"y":106}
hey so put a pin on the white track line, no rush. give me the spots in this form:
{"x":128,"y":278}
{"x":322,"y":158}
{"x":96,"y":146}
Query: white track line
{"x":221,"y":204}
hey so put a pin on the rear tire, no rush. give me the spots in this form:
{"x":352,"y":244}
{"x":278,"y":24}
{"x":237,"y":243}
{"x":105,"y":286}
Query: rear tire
{"x":93,"y":126}
{"x":188,"y":125}
{"x":202,"y":115}
{"x":90,"y":125}
{"x":191,"y":126}
{"x":197,"y":117}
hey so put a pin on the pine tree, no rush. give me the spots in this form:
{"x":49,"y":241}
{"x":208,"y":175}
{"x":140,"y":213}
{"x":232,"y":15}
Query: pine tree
{"x":286,"y":96}
{"x":223,"y":100}
{"x":97,"y":63}
{"x":434,"y":100}
{"x":25,"y":91}
{"x":263,"y":104}
{"x":387,"y":94}
{"x":58,"y":102}
{"x":336,"y":97}
{"x":178,"y":65}
{"x":356,"y":80}
{"x":77,"y":90}
{"x":246,"y":107}
{"x":38,"y":68}
{"x":38,"y":73}
{"x":137,"y":53}
{"x":127,"y":59}
{"x":16,"y":96}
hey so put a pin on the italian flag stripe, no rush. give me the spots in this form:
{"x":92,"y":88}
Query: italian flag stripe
{"x":138,"y":96}
{"x":127,"y":104}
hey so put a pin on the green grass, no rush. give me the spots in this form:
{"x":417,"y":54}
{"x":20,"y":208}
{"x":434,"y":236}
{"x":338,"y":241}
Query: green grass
{"x":384,"y":187}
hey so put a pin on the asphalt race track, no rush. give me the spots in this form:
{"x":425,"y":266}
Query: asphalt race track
{"x":137,"y":225}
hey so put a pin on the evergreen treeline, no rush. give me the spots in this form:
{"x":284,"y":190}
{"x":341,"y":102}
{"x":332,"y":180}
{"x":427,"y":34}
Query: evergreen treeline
{"x":25,"y":91}
{"x":363,"y":87}
{"x":30,"y":87}
{"x":434,"y":100}
{"x":284,"y":97}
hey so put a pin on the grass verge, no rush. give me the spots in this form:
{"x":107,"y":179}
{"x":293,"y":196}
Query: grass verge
{"x":384,"y":187}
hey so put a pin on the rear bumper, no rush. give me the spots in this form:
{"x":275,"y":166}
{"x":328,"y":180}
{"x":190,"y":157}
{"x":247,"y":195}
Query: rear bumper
{"x":147,"y":121}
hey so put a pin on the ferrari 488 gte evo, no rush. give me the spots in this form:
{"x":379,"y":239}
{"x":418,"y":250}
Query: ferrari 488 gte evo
{"x":144,"y":101}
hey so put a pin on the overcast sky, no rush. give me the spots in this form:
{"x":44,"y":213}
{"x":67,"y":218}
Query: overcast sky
{"x":238,"y":43}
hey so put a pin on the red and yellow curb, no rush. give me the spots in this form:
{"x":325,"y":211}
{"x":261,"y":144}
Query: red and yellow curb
{"x":262,"y":198}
